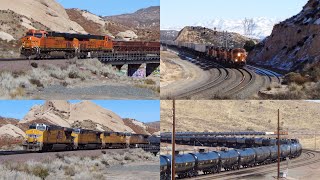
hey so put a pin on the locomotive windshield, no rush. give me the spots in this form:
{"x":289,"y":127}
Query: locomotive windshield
{"x":77,"y":131}
{"x":38,"y":35}
{"x":41,"y":127}
{"x":29,"y":34}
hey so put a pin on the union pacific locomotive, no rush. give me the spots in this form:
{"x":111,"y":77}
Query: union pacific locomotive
{"x":254,"y":152}
{"x":235,"y":57}
{"x":42,"y":137}
{"x":39,"y":44}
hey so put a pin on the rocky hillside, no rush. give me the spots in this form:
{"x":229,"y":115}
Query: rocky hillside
{"x":142,"y":128}
{"x":84,"y":114}
{"x":293,"y":42}
{"x":231,"y":115}
{"x":5,"y":121}
{"x":144,"y":22}
{"x":202,"y":35}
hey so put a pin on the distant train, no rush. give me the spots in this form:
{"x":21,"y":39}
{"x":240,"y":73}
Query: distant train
{"x":42,"y":137}
{"x":235,"y":57}
{"x":39,"y":44}
{"x":189,"y":165}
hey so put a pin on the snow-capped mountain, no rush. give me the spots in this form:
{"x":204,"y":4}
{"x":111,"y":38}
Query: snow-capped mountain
{"x":262,"y":27}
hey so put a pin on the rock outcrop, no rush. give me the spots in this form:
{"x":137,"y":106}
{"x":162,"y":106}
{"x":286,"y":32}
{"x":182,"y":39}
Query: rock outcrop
{"x":84,"y":114}
{"x":293,"y":42}
{"x":202,"y":35}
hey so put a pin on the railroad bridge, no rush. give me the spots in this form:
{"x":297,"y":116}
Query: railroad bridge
{"x":149,"y":61}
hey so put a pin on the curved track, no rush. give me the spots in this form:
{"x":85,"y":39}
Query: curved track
{"x":226,"y":83}
{"x":307,"y":157}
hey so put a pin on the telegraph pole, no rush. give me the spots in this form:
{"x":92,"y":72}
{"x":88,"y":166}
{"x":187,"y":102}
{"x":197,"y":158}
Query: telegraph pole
{"x":173,"y":142}
{"x":278,"y":144}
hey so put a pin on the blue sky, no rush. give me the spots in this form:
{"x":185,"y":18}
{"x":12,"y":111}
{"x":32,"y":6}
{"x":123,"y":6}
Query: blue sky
{"x":189,"y":12}
{"x":142,"y":110}
{"x":109,"y":7}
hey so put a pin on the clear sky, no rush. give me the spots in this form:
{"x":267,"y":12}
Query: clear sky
{"x":142,"y":110}
{"x":109,"y":7}
{"x":189,"y":12}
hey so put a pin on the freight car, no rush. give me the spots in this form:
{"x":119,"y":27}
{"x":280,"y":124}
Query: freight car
{"x":42,"y":137}
{"x":230,"y":57}
{"x":40,"y":44}
{"x":189,"y":165}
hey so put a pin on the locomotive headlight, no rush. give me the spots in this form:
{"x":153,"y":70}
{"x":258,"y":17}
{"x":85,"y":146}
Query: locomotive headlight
{"x":239,"y":54}
{"x":236,"y":60}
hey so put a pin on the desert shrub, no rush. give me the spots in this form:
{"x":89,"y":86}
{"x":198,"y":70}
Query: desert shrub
{"x":34,"y":65}
{"x":149,"y":82}
{"x":36,"y":82}
{"x":40,"y":171}
{"x":293,"y":77}
{"x":69,"y":170}
{"x":249,"y":45}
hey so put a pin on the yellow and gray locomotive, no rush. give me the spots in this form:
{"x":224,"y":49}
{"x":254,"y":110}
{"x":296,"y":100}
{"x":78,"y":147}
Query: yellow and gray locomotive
{"x":42,"y":137}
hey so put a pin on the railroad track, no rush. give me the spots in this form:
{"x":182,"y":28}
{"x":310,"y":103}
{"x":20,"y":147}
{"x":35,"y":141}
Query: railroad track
{"x":224,"y":74}
{"x":247,"y":79}
{"x":270,"y":74}
{"x":307,"y":157}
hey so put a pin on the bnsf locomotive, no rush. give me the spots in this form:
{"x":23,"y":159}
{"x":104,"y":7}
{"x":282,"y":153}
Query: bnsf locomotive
{"x":42,"y":137}
{"x":247,"y":152}
{"x":235,"y":57}
{"x":40,"y":44}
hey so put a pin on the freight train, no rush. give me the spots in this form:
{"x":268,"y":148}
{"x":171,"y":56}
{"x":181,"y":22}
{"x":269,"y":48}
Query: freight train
{"x":43,"y":137}
{"x":230,"y":57}
{"x":40,"y":44}
{"x":189,"y":165}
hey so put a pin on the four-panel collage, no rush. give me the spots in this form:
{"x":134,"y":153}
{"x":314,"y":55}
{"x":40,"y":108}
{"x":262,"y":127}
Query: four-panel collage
{"x":159,"y":89}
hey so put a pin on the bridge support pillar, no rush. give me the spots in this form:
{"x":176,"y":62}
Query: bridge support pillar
{"x":151,"y":67}
{"x":135,"y":70}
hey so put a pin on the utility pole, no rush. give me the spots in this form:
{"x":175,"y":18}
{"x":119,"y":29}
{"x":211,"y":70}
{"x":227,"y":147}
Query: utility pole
{"x":173,"y":142}
{"x":278,"y":144}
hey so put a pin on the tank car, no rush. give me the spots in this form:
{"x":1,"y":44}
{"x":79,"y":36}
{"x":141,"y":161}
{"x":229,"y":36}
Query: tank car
{"x":241,"y":142}
{"x":273,"y":153}
{"x":258,"y":142}
{"x":246,"y":157}
{"x":184,"y":165}
{"x":262,"y":155}
{"x":229,"y":159}
{"x":231,"y":142}
{"x":207,"y":162}
{"x":285,"y":151}
{"x":165,"y":165}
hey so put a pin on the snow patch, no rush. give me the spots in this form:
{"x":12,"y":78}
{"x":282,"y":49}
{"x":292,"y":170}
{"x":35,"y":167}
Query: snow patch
{"x":317,"y":21}
{"x":6,"y":36}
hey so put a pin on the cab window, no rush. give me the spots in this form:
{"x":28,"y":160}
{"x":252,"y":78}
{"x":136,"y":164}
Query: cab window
{"x":41,"y":128}
{"x":33,"y":126}
{"x":38,"y":35}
